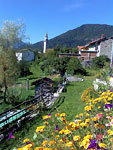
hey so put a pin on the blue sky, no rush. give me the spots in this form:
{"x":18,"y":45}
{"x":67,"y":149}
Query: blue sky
{"x":55,"y":16}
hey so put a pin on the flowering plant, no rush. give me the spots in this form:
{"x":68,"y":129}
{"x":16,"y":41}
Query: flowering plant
{"x":90,"y":130}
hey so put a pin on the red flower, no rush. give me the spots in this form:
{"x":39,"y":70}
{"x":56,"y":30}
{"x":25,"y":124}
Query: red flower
{"x":99,"y":137}
{"x":100,"y":115}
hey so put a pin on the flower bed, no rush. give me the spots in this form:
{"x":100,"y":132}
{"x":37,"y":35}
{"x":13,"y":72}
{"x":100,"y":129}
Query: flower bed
{"x":90,"y":130}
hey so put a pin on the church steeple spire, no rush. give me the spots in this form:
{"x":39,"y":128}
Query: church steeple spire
{"x":45,"y":42}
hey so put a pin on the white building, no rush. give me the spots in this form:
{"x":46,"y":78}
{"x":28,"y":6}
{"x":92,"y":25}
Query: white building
{"x":26,"y":55}
{"x":96,"y":48}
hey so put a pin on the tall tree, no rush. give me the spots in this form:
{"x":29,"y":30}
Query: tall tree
{"x":60,"y":65}
{"x":11,"y":36}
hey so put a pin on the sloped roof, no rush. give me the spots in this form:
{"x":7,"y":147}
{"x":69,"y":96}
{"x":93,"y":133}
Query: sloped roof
{"x":93,"y":42}
{"x":43,"y":80}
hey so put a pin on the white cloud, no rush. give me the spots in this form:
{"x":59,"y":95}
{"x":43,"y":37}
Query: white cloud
{"x":73,"y":6}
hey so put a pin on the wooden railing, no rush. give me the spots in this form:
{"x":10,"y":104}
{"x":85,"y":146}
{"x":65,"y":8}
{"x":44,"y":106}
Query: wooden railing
{"x":28,"y":108}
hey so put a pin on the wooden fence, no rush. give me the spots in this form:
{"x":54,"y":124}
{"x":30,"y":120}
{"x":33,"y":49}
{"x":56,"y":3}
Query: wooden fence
{"x":24,"y":111}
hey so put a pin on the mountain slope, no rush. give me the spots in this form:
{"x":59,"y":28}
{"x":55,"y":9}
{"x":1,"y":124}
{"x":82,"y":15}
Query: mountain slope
{"x":79,"y":36}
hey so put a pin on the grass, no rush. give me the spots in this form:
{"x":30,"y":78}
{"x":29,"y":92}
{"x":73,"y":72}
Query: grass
{"x":72,"y":105}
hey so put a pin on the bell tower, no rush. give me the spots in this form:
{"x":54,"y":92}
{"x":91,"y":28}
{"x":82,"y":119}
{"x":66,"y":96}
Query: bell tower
{"x":45,"y":43}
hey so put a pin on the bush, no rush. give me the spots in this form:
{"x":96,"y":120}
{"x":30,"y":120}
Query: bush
{"x":74,"y":66}
{"x":24,"y":68}
{"x":100,"y":61}
{"x":18,"y":95}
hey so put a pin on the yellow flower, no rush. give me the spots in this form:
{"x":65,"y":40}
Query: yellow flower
{"x":79,"y":121}
{"x":88,"y":136}
{"x":40,"y":129}
{"x":46,"y":117}
{"x":39,"y":148}
{"x":27,"y":147}
{"x":46,"y":123}
{"x":88,"y":120}
{"x":95,"y":118}
{"x":61,"y":131}
{"x":57,"y":115}
{"x":26,"y":140}
{"x":67,"y":131}
{"x":44,"y":143}
{"x":96,"y":125}
{"x":63,"y":118}
{"x":61,"y":141}
{"x":69,"y":144}
{"x":52,"y":142}
{"x":84,"y":124}
{"x":88,"y":132}
{"x":76,"y":138}
{"x":48,"y":149}
{"x":110,"y":132}
{"x":87,"y":115}
{"x":62,"y":115}
{"x":85,"y":143}
{"x":53,"y":133}
{"x":109,"y":98}
{"x":102,"y":145}
{"x":76,"y":116}
{"x":89,"y":108}
{"x":81,"y":114}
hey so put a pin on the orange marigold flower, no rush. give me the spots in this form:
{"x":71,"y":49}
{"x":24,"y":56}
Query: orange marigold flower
{"x":63,"y":118}
{"x":52,"y":142}
{"x":95,"y":118}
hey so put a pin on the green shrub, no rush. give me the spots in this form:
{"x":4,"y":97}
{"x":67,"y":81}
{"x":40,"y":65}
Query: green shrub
{"x":24,"y":68}
{"x":74,"y":66}
{"x":18,"y":95}
{"x":100,"y":61}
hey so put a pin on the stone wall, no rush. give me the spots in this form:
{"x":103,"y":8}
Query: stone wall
{"x":106,"y":48}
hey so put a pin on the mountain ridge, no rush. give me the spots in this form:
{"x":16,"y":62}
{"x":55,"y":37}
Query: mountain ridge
{"x":78,"y":36}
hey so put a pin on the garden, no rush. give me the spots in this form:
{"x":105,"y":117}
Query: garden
{"x":87,"y":127}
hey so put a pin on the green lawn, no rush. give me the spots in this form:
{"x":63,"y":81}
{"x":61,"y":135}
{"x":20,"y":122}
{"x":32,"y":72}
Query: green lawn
{"x":71,"y":105}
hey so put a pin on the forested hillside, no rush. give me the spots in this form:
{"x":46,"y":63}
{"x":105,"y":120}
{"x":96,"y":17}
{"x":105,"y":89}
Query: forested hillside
{"x":79,"y":36}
